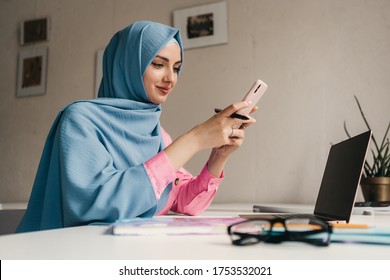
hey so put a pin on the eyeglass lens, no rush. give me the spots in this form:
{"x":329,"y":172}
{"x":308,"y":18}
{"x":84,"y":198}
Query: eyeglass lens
{"x":275,"y":231}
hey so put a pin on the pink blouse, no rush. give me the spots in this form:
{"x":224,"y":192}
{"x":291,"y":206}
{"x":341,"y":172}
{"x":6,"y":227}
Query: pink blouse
{"x":190,"y":195}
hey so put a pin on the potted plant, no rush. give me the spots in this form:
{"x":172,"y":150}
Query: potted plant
{"x":375,"y":182}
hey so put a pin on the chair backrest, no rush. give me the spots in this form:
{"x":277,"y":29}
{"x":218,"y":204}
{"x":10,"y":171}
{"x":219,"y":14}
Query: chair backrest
{"x":9,"y":220}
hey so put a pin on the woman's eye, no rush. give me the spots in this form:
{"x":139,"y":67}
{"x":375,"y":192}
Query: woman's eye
{"x":157,"y":65}
{"x":176,"y":69}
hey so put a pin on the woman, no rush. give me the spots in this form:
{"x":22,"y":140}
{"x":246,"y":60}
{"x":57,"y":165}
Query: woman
{"x":109,"y":158}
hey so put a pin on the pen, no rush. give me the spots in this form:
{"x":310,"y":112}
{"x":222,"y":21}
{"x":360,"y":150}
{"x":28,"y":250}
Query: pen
{"x":336,"y":225}
{"x":234,"y":115}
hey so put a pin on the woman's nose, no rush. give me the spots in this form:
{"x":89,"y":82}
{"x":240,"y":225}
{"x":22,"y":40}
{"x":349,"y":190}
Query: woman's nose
{"x":169,"y":76}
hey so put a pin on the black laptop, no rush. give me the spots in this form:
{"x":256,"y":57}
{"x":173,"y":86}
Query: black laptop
{"x":340,"y":181}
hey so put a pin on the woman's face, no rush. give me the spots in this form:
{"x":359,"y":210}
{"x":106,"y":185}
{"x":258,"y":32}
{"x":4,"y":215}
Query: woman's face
{"x":161,"y":75}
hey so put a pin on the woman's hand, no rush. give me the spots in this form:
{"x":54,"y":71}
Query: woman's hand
{"x":219,"y":155}
{"x":237,"y":136}
{"x":221,"y":133}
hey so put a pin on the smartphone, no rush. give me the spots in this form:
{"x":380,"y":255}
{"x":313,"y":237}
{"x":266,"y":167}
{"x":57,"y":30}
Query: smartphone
{"x":254,"y":94}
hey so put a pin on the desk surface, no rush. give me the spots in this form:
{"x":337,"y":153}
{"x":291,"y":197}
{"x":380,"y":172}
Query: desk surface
{"x":96,"y":242}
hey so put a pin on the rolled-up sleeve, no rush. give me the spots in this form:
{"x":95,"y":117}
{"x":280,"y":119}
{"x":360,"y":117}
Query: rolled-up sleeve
{"x":195,"y":193}
{"x":190,"y":194}
{"x":161,"y":172}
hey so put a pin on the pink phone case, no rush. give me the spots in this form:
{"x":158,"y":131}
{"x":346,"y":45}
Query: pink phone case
{"x":254,"y":95}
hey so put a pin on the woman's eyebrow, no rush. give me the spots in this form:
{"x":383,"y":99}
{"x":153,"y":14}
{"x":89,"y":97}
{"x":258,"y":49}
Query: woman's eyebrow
{"x":167,"y":59}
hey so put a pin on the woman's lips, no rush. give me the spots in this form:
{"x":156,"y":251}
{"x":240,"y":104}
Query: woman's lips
{"x":164,"y":89}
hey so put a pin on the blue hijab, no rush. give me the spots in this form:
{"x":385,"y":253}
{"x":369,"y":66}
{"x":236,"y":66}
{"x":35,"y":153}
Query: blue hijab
{"x":92,"y":166}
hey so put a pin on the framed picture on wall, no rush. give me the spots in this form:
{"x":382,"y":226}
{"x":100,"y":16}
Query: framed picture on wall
{"x":204,"y":25}
{"x":34,"y":31}
{"x":32,"y":65}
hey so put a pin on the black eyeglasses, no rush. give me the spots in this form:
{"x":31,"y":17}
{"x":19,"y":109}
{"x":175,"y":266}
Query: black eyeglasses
{"x":273,"y":229}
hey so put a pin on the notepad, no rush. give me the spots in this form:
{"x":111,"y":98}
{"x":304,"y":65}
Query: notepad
{"x":177,"y":225}
{"x":375,"y":235}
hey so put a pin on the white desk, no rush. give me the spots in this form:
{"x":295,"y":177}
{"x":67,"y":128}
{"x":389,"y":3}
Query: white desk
{"x":96,"y":242}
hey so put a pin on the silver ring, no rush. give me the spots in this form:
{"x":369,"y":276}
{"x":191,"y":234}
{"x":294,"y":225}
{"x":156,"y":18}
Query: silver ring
{"x":232,"y":134}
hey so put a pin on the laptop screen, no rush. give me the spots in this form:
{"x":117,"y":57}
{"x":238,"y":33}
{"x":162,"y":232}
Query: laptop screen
{"x":341,"y":178}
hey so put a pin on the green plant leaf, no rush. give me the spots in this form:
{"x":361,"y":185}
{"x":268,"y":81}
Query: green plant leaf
{"x":366,"y":122}
{"x":380,"y":165}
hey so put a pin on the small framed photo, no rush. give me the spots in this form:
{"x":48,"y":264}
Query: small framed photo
{"x":204,"y":25}
{"x":34,"y":31}
{"x":32,"y":65}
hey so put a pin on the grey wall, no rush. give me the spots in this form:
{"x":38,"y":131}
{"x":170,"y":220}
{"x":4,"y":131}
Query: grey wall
{"x":314,"y":55}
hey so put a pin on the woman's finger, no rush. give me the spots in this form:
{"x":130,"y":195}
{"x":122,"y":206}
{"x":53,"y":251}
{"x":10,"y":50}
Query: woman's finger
{"x":228,"y":111}
{"x":237,"y":133}
{"x":254,"y":109}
